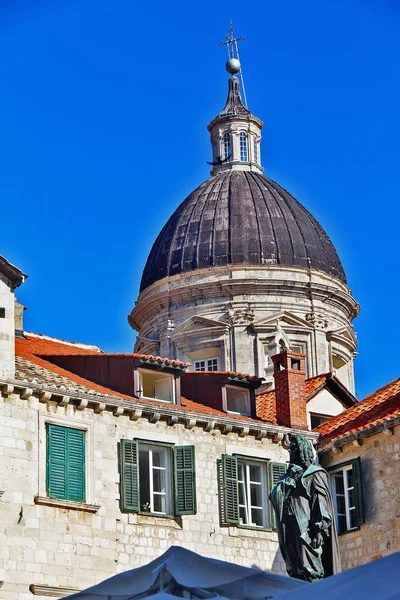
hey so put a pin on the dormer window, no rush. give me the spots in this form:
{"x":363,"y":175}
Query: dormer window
{"x":227,"y":144}
{"x":237,"y":400}
{"x":243,"y":146}
{"x":154,"y":385}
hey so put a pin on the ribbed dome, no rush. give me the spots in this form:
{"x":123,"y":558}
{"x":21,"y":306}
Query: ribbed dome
{"x":236,"y":218}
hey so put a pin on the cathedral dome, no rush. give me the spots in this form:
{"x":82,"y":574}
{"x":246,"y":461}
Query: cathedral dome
{"x":240,"y":217}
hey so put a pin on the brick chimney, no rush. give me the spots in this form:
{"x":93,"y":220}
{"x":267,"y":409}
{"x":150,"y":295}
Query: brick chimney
{"x":290,"y":389}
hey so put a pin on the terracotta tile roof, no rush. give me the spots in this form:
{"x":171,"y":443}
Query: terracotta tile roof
{"x":41,"y":345}
{"x":30,"y":367}
{"x":314,"y":383}
{"x":265,"y":406}
{"x":377,"y":408}
{"x":159,"y":360}
{"x":265,"y":401}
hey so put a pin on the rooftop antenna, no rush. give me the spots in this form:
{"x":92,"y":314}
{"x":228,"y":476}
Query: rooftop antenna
{"x":231,"y":42}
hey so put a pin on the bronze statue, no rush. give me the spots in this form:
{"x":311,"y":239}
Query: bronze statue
{"x":305,"y":517}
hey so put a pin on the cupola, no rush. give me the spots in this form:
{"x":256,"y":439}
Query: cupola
{"x":235,"y":132}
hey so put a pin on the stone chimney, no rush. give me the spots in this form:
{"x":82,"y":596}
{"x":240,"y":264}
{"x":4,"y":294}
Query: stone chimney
{"x":290,"y":389}
{"x":19,"y":318}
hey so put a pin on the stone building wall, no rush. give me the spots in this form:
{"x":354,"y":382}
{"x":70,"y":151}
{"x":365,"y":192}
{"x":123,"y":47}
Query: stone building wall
{"x":7,"y":335}
{"x":380,"y":470}
{"x":43,"y":545}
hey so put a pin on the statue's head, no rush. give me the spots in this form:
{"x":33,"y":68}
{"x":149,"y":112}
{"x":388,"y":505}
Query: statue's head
{"x":300,"y":451}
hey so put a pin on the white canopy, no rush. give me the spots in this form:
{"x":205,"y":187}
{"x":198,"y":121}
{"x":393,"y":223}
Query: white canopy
{"x":179,"y":571}
{"x":377,"y":580}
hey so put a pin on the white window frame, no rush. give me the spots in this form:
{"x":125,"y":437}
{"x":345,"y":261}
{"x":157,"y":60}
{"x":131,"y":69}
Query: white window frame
{"x":138,"y":381}
{"x":255,"y":149}
{"x":243,"y":146}
{"x":89,"y":453}
{"x":246,"y":484}
{"x":168,"y":479}
{"x":206,"y":362}
{"x":267,"y":357}
{"x":225,"y":400}
{"x":346,"y":488}
{"x":227,"y":145}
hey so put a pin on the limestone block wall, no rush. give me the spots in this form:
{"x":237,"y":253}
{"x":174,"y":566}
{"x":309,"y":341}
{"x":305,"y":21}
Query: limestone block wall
{"x":7,"y":327}
{"x":380,"y":468}
{"x":43,"y":545}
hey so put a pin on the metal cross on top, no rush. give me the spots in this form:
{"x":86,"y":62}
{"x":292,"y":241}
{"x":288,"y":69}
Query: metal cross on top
{"x":231,"y":42}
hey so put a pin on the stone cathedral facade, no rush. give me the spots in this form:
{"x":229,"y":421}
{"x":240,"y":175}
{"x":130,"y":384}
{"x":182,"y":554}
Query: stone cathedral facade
{"x":245,"y":335}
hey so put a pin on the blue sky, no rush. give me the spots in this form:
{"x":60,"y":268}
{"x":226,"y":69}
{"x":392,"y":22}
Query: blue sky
{"x":101,"y":101}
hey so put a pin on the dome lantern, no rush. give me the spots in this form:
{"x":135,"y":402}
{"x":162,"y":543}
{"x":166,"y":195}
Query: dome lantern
{"x":235,"y":132}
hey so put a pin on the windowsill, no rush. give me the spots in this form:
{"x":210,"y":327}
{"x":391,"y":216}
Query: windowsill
{"x":68,"y":504}
{"x":232,"y":412}
{"x":254,"y":528}
{"x":151,"y":519}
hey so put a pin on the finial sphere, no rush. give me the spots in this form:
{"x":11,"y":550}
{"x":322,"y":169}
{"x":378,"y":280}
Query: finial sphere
{"x":233,"y":66}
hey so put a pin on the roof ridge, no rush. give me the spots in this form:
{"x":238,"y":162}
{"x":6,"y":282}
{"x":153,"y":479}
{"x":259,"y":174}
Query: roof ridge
{"x":48,"y":338}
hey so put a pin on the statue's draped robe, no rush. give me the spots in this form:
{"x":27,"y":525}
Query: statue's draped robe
{"x":301,"y":499}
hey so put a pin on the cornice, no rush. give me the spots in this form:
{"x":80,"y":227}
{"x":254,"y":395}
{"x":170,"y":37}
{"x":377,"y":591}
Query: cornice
{"x":328,"y":290}
{"x":136,"y":409}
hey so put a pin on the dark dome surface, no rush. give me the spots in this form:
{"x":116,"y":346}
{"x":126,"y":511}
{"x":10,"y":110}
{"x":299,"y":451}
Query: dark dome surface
{"x":240,"y":218}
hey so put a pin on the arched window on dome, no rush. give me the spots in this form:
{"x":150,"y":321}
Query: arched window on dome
{"x":243,"y":146}
{"x":255,"y":149}
{"x":227,"y":144}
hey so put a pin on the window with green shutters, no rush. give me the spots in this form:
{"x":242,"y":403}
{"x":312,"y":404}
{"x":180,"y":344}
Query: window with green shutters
{"x":157,"y":478}
{"x":246,"y":484}
{"x":346,"y":487}
{"x":66,"y":473}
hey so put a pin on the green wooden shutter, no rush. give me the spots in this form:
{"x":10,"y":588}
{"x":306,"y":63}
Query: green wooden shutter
{"x":185,"y":480}
{"x":275,"y":471}
{"x":76,"y":465}
{"x":130,"y":496}
{"x":356,"y":466}
{"x":230,"y":489}
{"x":56,"y":472}
{"x":65,"y":476}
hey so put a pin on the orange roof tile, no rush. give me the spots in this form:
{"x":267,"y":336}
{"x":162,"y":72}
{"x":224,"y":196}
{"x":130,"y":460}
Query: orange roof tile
{"x":41,"y":345}
{"x":265,"y":406}
{"x":29,"y":365}
{"x":379,"y":407}
{"x":265,"y":401}
{"x":314,"y":383}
